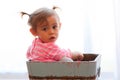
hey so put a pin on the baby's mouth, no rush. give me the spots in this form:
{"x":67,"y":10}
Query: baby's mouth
{"x":52,"y":38}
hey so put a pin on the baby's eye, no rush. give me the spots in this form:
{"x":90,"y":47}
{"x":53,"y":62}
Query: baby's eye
{"x":55,"y":27}
{"x":44,"y":28}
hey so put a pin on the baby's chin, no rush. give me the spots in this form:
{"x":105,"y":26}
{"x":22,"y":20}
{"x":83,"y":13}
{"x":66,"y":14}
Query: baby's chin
{"x":52,"y":41}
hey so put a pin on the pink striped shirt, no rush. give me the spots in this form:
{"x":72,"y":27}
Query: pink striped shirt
{"x":46,"y":52}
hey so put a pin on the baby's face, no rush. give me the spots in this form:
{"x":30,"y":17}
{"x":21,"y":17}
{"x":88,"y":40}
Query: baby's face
{"x":49,"y":30}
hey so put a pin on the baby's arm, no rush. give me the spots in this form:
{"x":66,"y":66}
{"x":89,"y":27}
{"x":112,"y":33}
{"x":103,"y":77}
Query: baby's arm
{"x":77,"y":56}
{"x":66,"y":59}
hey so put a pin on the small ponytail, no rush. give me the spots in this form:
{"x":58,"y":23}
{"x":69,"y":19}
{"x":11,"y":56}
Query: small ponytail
{"x":24,"y":13}
{"x":55,"y":7}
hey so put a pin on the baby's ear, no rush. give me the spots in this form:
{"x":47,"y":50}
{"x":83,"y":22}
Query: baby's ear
{"x":33,"y":32}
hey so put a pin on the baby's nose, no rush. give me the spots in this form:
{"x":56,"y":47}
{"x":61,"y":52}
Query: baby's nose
{"x":51,"y":31}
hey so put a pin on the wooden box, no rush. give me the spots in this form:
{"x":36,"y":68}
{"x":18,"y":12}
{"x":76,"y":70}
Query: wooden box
{"x":87,"y":69}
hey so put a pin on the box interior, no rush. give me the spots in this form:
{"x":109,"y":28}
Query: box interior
{"x":89,"y":57}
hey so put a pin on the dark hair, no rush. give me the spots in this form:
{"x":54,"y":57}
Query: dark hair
{"x":39,"y":16}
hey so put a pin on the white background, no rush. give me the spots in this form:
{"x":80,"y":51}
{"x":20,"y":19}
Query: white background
{"x":87,"y":26}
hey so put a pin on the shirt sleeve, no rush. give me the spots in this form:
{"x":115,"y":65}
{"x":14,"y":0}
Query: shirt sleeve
{"x":62,"y":53}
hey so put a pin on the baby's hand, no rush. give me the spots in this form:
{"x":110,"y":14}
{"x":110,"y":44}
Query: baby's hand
{"x":77,"y":56}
